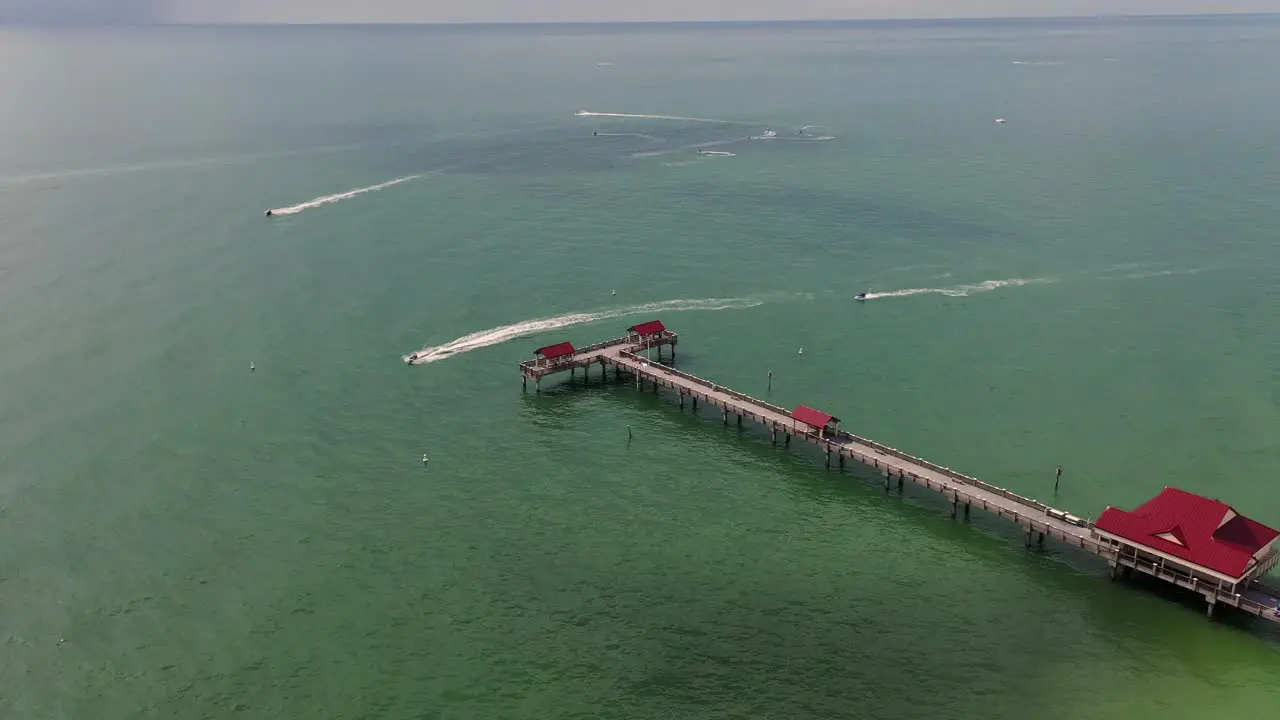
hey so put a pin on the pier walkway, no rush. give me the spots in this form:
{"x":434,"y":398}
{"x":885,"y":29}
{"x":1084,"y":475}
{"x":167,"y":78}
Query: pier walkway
{"x":1036,"y":519}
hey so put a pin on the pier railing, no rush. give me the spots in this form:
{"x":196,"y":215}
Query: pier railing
{"x":838,"y":435}
{"x":946,"y":471}
{"x":1187,"y":580}
{"x":571,"y":359}
{"x":1264,"y":587}
{"x":603,"y":345}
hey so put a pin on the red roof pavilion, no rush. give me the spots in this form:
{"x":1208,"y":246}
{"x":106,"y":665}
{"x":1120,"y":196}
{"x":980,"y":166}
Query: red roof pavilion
{"x":1196,"y":529}
{"x":653,"y":327}
{"x":809,"y":416}
{"x":551,"y":352}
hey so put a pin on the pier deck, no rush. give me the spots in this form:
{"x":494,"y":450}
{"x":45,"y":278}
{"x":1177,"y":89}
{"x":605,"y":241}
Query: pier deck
{"x":1035,"y":518}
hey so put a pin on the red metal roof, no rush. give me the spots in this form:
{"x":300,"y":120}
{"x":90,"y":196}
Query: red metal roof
{"x":809,"y":416}
{"x":1196,"y":521}
{"x":551,"y":352}
{"x":649,"y":328}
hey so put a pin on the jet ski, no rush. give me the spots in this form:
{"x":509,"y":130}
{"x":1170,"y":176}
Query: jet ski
{"x":409,"y":360}
{"x":860,"y":296}
{"x":267,"y":213}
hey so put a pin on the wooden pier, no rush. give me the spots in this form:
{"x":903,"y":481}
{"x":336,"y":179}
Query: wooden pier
{"x":634,"y":355}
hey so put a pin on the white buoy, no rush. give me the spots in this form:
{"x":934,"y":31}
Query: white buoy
{"x":424,"y":458}
{"x":252,"y":367}
{"x":613,"y":292}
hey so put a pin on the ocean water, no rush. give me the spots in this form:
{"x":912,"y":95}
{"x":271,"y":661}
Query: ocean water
{"x":1091,"y":284}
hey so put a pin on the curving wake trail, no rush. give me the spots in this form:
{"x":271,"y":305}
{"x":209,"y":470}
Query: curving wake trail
{"x":588,"y":113}
{"x":175,"y":164}
{"x":650,"y":138}
{"x":326,"y":199}
{"x":495,"y":336}
{"x":959,"y":290}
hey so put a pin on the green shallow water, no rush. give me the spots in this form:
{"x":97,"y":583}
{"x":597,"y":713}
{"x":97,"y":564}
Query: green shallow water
{"x":181,"y":537}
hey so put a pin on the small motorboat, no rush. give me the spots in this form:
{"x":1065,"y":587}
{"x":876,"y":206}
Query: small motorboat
{"x":860,"y":296}
{"x":409,"y":360}
{"x":267,"y":213}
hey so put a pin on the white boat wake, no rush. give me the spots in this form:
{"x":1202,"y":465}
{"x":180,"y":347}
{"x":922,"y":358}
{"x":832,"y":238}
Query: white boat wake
{"x":650,"y":138}
{"x":958,"y":290}
{"x":684,"y":148}
{"x":588,"y":113}
{"x":495,"y":336}
{"x":326,"y":199}
{"x":176,"y":164}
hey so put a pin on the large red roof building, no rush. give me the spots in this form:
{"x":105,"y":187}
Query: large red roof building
{"x":1195,"y":535}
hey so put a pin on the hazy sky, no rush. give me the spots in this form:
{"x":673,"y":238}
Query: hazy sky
{"x":609,"y":10}
{"x":326,"y":11}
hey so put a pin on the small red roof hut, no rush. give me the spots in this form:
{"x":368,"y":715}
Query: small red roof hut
{"x":818,"y":420}
{"x":647,"y":329}
{"x":555,"y":352}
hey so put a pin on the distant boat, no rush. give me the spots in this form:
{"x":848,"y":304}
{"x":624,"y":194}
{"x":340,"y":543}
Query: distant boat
{"x":267,"y":213}
{"x":860,"y":296}
{"x":1001,"y":121}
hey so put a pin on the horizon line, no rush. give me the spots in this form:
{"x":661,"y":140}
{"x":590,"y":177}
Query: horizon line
{"x":598,"y":23}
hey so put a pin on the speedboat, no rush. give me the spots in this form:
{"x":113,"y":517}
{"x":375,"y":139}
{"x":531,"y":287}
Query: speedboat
{"x":267,"y":213}
{"x":409,"y":360}
{"x":860,"y":296}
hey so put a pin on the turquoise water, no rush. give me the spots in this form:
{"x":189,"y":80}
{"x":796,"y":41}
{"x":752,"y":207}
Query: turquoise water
{"x":183,"y":537}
